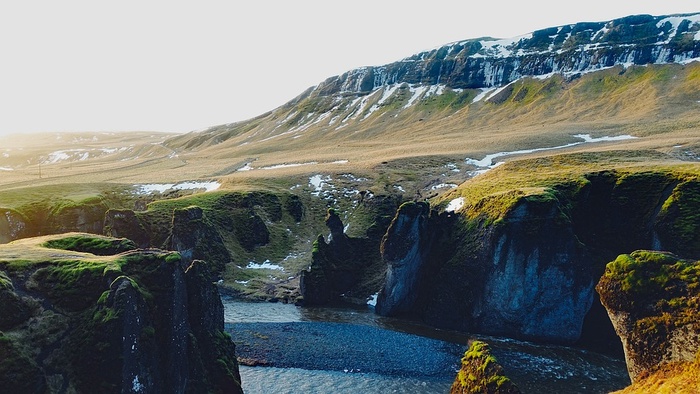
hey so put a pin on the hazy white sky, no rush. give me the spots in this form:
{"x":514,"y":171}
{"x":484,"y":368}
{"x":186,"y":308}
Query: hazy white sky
{"x":183,"y":65}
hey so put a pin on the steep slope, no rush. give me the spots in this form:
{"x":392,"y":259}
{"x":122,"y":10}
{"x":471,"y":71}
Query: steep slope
{"x":475,"y":96}
{"x":636,"y":75}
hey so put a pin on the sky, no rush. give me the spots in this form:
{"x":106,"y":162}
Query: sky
{"x":179,"y":66}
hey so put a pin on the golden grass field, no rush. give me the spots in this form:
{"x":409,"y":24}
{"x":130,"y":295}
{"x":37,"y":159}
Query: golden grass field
{"x":659,"y":104}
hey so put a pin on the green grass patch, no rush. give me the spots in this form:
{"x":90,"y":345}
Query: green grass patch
{"x":97,"y":245}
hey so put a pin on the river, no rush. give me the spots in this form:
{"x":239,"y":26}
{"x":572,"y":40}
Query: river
{"x":379,"y":341}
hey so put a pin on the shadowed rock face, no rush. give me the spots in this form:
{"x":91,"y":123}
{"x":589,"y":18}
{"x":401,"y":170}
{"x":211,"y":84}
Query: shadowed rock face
{"x":652,"y":299}
{"x":123,"y":223}
{"x":141,"y":323}
{"x":346,"y":269}
{"x":404,"y":249}
{"x":196,"y":239}
{"x":525,"y":266}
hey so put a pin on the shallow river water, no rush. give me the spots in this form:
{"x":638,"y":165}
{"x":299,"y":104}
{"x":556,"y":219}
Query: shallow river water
{"x":534,"y":368}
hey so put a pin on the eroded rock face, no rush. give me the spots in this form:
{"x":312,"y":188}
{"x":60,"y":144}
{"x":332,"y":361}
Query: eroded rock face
{"x":12,"y":225}
{"x":86,"y":216}
{"x":340,"y":268}
{"x":481,"y":373}
{"x":537,"y":283}
{"x":196,"y":239}
{"x":653,"y":300}
{"x":525,"y":265}
{"x":141,"y":323}
{"x":404,"y":249}
{"x":123,"y":223}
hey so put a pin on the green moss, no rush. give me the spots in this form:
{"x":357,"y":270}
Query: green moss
{"x":94,"y":244}
{"x":481,"y":373}
{"x":5,"y":282}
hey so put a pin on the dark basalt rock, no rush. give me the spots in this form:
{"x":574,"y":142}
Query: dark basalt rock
{"x":525,"y":266}
{"x":341,"y":270}
{"x":404,"y":249}
{"x":123,"y":223}
{"x":652,"y":299}
{"x":141,"y":322}
{"x":13,"y":308}
{"x":195,"y":238}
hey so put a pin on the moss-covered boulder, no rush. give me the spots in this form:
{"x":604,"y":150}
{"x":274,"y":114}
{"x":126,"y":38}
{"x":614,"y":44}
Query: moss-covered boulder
{"x":139,"y":321}
{"x":481,"y":373}
{"x":13,"y":308}
{"x":653,"y":299}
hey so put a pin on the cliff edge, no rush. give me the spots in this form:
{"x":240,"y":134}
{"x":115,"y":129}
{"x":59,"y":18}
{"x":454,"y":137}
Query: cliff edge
{"x":76,"y":320}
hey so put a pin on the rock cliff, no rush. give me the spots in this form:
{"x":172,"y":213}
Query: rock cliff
{"x":139,"y":321}
{"x":347,"y":269}
{"x":336,"y":267}
{"x":577,"y":48}
{"x":195,"y":238}
{"x":524,"y":263}
{"x":653,"y":299}
{"x":404,"y":249}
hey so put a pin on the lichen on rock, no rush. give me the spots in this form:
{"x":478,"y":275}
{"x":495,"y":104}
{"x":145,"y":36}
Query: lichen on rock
{"x":653,"y":300}
{"x":481,"y":373}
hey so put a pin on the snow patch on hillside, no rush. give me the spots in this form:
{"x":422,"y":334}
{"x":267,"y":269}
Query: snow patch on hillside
{"x":163,"y":187}
{"x":455,"y":205}
{"x":487,"y":161}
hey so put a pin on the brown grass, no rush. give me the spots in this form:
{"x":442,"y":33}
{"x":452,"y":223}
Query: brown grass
{"x":657,"y":103}
{"x":681,"y":378}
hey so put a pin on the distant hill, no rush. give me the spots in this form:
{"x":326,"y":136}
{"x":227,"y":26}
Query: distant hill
{"x":638,"y":75}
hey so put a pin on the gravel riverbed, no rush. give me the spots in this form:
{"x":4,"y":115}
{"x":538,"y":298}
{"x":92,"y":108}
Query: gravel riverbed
{"x":344,"y":347}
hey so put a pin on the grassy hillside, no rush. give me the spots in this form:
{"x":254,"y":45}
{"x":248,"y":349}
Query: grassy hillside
{"x":393,"y":137}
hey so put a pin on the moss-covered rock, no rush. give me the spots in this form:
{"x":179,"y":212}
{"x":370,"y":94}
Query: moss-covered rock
{"x":19,"y":373}
{"x":195,"y":238}
{"x":481,"y":373}
{"x":125,"y":223}
{"x":653,"y":299}
{"x":136,"y":321}
{"x":90,"y":243}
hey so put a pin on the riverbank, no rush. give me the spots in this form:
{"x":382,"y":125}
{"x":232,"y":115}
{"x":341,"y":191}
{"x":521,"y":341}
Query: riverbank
{"x":326,"y":349}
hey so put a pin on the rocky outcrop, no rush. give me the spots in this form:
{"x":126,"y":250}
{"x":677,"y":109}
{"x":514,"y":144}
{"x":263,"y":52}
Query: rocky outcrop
{"x":341,"y":270}
{"x":86,"y":216}
{"x":138,"y":322}
{"x":653,"y":300}
{"x":524,"y":265}
{"x":404,"y":250}
{"x":577,"y":48}
{"x":481,"y":373}
{"x":195,"y":238}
